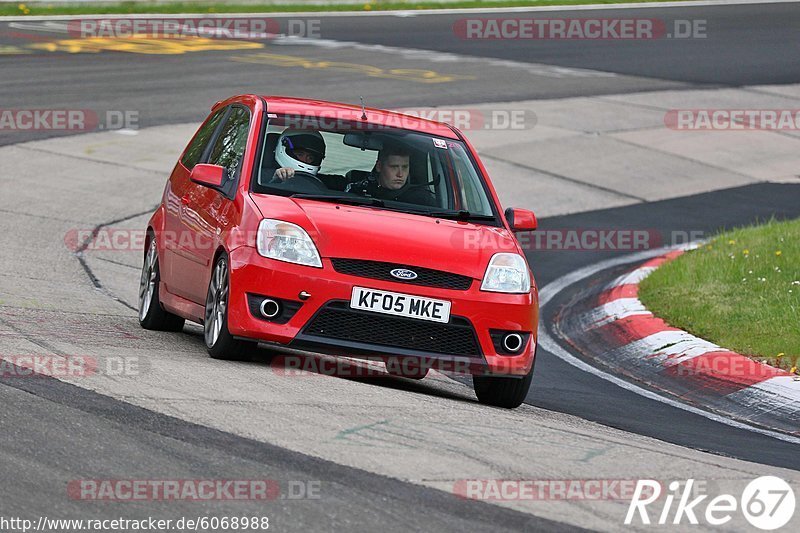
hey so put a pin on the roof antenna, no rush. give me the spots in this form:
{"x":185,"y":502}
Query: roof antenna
{"x":363,"y":111}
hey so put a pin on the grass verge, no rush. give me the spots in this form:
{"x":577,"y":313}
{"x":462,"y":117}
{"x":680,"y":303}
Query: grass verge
{"x":220,"y":7}
{"x":740,"y":291}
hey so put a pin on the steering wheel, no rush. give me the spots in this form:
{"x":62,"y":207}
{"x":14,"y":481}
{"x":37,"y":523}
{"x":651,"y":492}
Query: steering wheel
{"x":306,"y":182}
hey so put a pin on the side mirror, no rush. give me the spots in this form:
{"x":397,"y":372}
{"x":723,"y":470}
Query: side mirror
{"x":521,"y":219}
{"x":208,"y":175}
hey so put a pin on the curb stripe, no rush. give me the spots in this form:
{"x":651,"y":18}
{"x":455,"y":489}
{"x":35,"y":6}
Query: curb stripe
{"x":773,"y":411}
{"x":628,"y":290}
{"x":628,"y":330}
{"x":723,"y":371}
{"x":644,"y":347}
{"x":648,"y":343}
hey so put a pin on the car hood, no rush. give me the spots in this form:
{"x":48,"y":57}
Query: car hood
{"x":380,"y":235}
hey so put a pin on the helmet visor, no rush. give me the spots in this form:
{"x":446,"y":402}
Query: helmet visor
{"x":305,"y":148}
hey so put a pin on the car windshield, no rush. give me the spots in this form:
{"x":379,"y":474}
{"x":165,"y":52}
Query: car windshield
{"x":386,"y":168}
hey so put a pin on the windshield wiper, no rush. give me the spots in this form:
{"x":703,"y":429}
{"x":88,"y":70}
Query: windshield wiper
{"x":459,"y":215}
{"x":351,"y":200}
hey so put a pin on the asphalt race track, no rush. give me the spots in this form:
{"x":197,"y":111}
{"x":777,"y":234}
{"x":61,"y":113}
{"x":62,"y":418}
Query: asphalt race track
{"x":747,"y":45}
{"x":386,"y":452}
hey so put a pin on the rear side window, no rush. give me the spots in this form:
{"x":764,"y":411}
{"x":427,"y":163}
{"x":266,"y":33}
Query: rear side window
{"x":228,"y":149}
{"x":198,"y":145}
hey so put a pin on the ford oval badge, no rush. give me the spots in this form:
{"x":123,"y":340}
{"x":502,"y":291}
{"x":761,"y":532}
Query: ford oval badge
{"x":403,"y":273}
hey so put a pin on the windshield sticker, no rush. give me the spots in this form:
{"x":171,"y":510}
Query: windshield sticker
{"x":439,"y":143}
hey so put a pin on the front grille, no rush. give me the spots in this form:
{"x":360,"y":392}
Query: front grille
{"x":380,"y":270}
{"x":337,"y":321}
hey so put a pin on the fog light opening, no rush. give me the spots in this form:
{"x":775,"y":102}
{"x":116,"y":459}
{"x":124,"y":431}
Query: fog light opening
{"x":269,"y":308}
{"x":512,"y":342}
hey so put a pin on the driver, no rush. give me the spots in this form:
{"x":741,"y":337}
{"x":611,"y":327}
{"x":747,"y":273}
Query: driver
{"x":303,"y":151}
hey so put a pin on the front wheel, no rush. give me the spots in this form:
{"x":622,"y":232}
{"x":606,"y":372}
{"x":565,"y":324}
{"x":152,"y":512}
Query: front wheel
{"x":219,"y":342}
{"x":151,"y":314}
{"x":501,"y":391}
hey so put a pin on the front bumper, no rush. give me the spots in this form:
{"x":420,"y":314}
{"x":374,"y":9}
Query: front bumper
{"x":311,"y":326}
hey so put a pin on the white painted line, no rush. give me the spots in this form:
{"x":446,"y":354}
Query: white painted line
{"x":425,"y":12}
{"x":554,"y":287}
{"x":54,"y":26}
{"x":548,"y":343}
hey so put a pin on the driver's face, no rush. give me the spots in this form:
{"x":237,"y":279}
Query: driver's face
{"x":393,"y":173}
{"x":304,"y":156}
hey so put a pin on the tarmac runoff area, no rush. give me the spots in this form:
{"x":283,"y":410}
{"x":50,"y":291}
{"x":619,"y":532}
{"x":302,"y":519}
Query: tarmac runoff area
{"x":582,"y":154}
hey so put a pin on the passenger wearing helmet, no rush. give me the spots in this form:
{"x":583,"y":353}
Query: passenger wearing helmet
{"x":303,"y":151}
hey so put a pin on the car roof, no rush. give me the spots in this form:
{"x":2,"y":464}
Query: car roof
{"x":283,"y":105}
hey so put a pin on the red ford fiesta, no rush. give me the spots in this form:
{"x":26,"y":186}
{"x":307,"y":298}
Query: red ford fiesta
{"x":337,"y":229}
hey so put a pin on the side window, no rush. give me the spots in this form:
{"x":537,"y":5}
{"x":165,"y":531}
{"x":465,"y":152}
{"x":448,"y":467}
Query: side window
{"x":228,"y":149}
{"x":196,"y":148}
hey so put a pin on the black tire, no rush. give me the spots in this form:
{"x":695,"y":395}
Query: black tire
{"x":501,"y":391}
{"x":219,"y":341}
{"x":151,"y":314}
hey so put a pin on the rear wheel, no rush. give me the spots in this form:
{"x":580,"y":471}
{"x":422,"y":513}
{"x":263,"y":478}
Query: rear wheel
{"x":501,"y":391}
{"x":151,"y":314}
{"x":219,"y":341}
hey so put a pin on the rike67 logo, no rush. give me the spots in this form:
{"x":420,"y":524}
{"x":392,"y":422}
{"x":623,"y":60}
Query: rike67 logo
{"x":767,"y":503}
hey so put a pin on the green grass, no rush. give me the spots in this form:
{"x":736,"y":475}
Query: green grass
{"x":206,"y":7}
{"x":740,"y":291}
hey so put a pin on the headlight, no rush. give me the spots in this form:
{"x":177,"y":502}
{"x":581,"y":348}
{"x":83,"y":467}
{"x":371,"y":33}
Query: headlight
{"x":288,"y":242}
{"x":507,"y":273}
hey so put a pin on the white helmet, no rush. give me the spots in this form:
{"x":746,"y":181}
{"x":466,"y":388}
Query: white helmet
{"x":309,"y":141}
